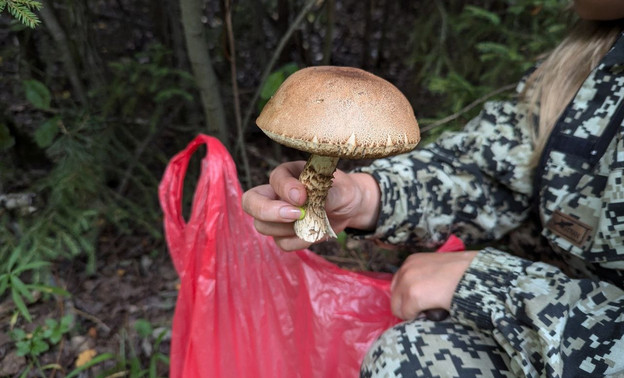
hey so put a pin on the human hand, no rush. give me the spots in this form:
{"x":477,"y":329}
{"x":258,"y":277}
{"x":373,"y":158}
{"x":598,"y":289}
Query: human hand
{"x":427,"y":281}
{"x":352,"y":201}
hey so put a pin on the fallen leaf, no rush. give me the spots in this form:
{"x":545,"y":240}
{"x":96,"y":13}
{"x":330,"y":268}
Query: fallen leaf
{"x":11,"y":364}
{"x":85,"y":357}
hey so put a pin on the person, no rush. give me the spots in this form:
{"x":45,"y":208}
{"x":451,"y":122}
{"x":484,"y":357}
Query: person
{"x":539,"y":180}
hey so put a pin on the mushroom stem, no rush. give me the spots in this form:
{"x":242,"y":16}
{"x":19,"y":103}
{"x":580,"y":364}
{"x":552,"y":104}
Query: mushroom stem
{"x":317,"y":177}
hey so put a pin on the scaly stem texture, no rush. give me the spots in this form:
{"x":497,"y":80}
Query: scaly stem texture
{"x":317,"y":177}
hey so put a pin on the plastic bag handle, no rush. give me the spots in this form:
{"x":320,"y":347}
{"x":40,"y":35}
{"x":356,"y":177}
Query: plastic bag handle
{"x":172,"y":186}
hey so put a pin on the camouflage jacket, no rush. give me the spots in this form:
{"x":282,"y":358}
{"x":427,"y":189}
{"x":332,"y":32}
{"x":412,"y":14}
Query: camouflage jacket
{"x":553,"y":299}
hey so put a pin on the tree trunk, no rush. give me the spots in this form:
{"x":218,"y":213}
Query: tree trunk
{"x":201,"y":63}
{"x":384,"y":32}
{"x":60,"y":38}
{"x":176,"y":35}
{"x":368,"y":20}
{"x":328,"y":43}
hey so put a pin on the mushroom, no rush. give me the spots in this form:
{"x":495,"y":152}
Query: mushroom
{"x":332,"y":113}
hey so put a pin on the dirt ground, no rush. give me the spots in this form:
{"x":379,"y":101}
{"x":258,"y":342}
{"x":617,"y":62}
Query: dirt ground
{"x":135,"y":282}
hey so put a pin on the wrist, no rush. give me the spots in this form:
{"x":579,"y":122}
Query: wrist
{"x":367,"y":213}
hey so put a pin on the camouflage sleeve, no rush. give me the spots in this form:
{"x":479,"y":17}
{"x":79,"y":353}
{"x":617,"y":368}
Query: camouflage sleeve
{"x":475,"y":183}
{"x":546,"y":321}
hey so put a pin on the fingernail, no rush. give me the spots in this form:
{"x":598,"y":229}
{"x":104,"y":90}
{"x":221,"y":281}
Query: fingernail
{"x":294,"y":195}
{"x":288,"y":212}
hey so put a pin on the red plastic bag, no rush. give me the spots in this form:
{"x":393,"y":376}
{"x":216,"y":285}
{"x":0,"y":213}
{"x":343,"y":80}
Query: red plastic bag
{"x":247,"y":309}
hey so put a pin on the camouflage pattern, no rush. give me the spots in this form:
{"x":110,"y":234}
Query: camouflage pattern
{"x":456,"y":350}
{"x":548,"y":292}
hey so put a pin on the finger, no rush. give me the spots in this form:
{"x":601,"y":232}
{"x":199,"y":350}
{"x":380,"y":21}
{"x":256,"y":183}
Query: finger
{"x":284,"y":181}
{"x":396,"y":303}
{"x":409,"y":307}
{"x":291,"y":243}
{"x":261,"y":203}
{"x":340,"y":194}
{"x":393,"y":283}
{"x":404,"y":301}
{"x":274,"y":229}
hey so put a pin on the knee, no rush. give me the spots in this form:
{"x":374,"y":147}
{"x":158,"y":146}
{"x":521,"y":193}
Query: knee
{"x":387,"y":356}
{"x":424,"y":348}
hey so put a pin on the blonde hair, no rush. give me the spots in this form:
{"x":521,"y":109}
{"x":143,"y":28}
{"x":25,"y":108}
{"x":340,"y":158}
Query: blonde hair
{"x":555,"y":82}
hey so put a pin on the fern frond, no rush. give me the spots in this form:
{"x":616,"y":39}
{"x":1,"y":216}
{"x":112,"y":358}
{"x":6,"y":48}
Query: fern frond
{"x":21,"y":10}
{"x":31,"y":4}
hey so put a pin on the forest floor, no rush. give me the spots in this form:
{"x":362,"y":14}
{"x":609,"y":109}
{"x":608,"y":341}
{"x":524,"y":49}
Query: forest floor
{"x":125,"y":310}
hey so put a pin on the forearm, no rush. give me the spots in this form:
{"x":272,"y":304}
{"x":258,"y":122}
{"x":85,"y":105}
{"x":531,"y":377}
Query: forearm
{"x":425,"y":197}
{"x":547,"y":318}
{"x":475,"y":183}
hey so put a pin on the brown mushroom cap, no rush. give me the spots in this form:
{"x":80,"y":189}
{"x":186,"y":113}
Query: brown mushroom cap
{"x":342,"y":112}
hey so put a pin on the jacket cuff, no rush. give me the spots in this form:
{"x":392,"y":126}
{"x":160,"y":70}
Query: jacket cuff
{"x":482,"y":292}
{"x":399,"y":214}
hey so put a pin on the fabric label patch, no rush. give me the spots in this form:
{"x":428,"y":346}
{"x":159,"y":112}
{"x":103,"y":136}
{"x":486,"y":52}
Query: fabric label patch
{"x":569,"y":228}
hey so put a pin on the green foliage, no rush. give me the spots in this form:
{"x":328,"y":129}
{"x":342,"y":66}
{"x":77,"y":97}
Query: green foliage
{"x":145,"y":330}
{"x":37,"y":94}
{"x":22,"y":10}
{"x":95,"y":361}
{"x":273,"y":82}
{"x":99,"y":175}
{"x":72,"y":198}
{"x":54,"y":329}
{"x":47,"y":132}
{"x":342,"y":239}
{"x":130,"y":362}
{"x":17,"y":265}
{"x":42,"y":338}
{"x":30,"y":344}
{"x":464,"y":52}
{"x":6,"y":139}
{"x":146,"y":79}
{"x":143,"y":327}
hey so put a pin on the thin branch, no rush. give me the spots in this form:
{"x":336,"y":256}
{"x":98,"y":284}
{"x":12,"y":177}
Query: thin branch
{"x":235,"y":93}
{"x":329,"y":31}
{"x":467,"y":108}
{"x":93,"y":318}
{"x":276,"y":54}
{"x":60,"y":37}
{"x":368,"y":20}
{"x":262,"y":156}
{"x":142,"y":145}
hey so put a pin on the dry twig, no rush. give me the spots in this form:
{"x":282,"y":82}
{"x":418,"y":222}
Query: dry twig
{"x":466,"y":109}
{"x":269,"y":67}
{"x":237,"y":110}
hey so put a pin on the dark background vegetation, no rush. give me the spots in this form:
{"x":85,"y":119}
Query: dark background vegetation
{"x":97,"y":97}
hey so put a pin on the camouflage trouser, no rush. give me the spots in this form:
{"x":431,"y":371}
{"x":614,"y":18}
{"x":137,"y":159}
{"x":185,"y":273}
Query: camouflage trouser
{"x":423,"y":348}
